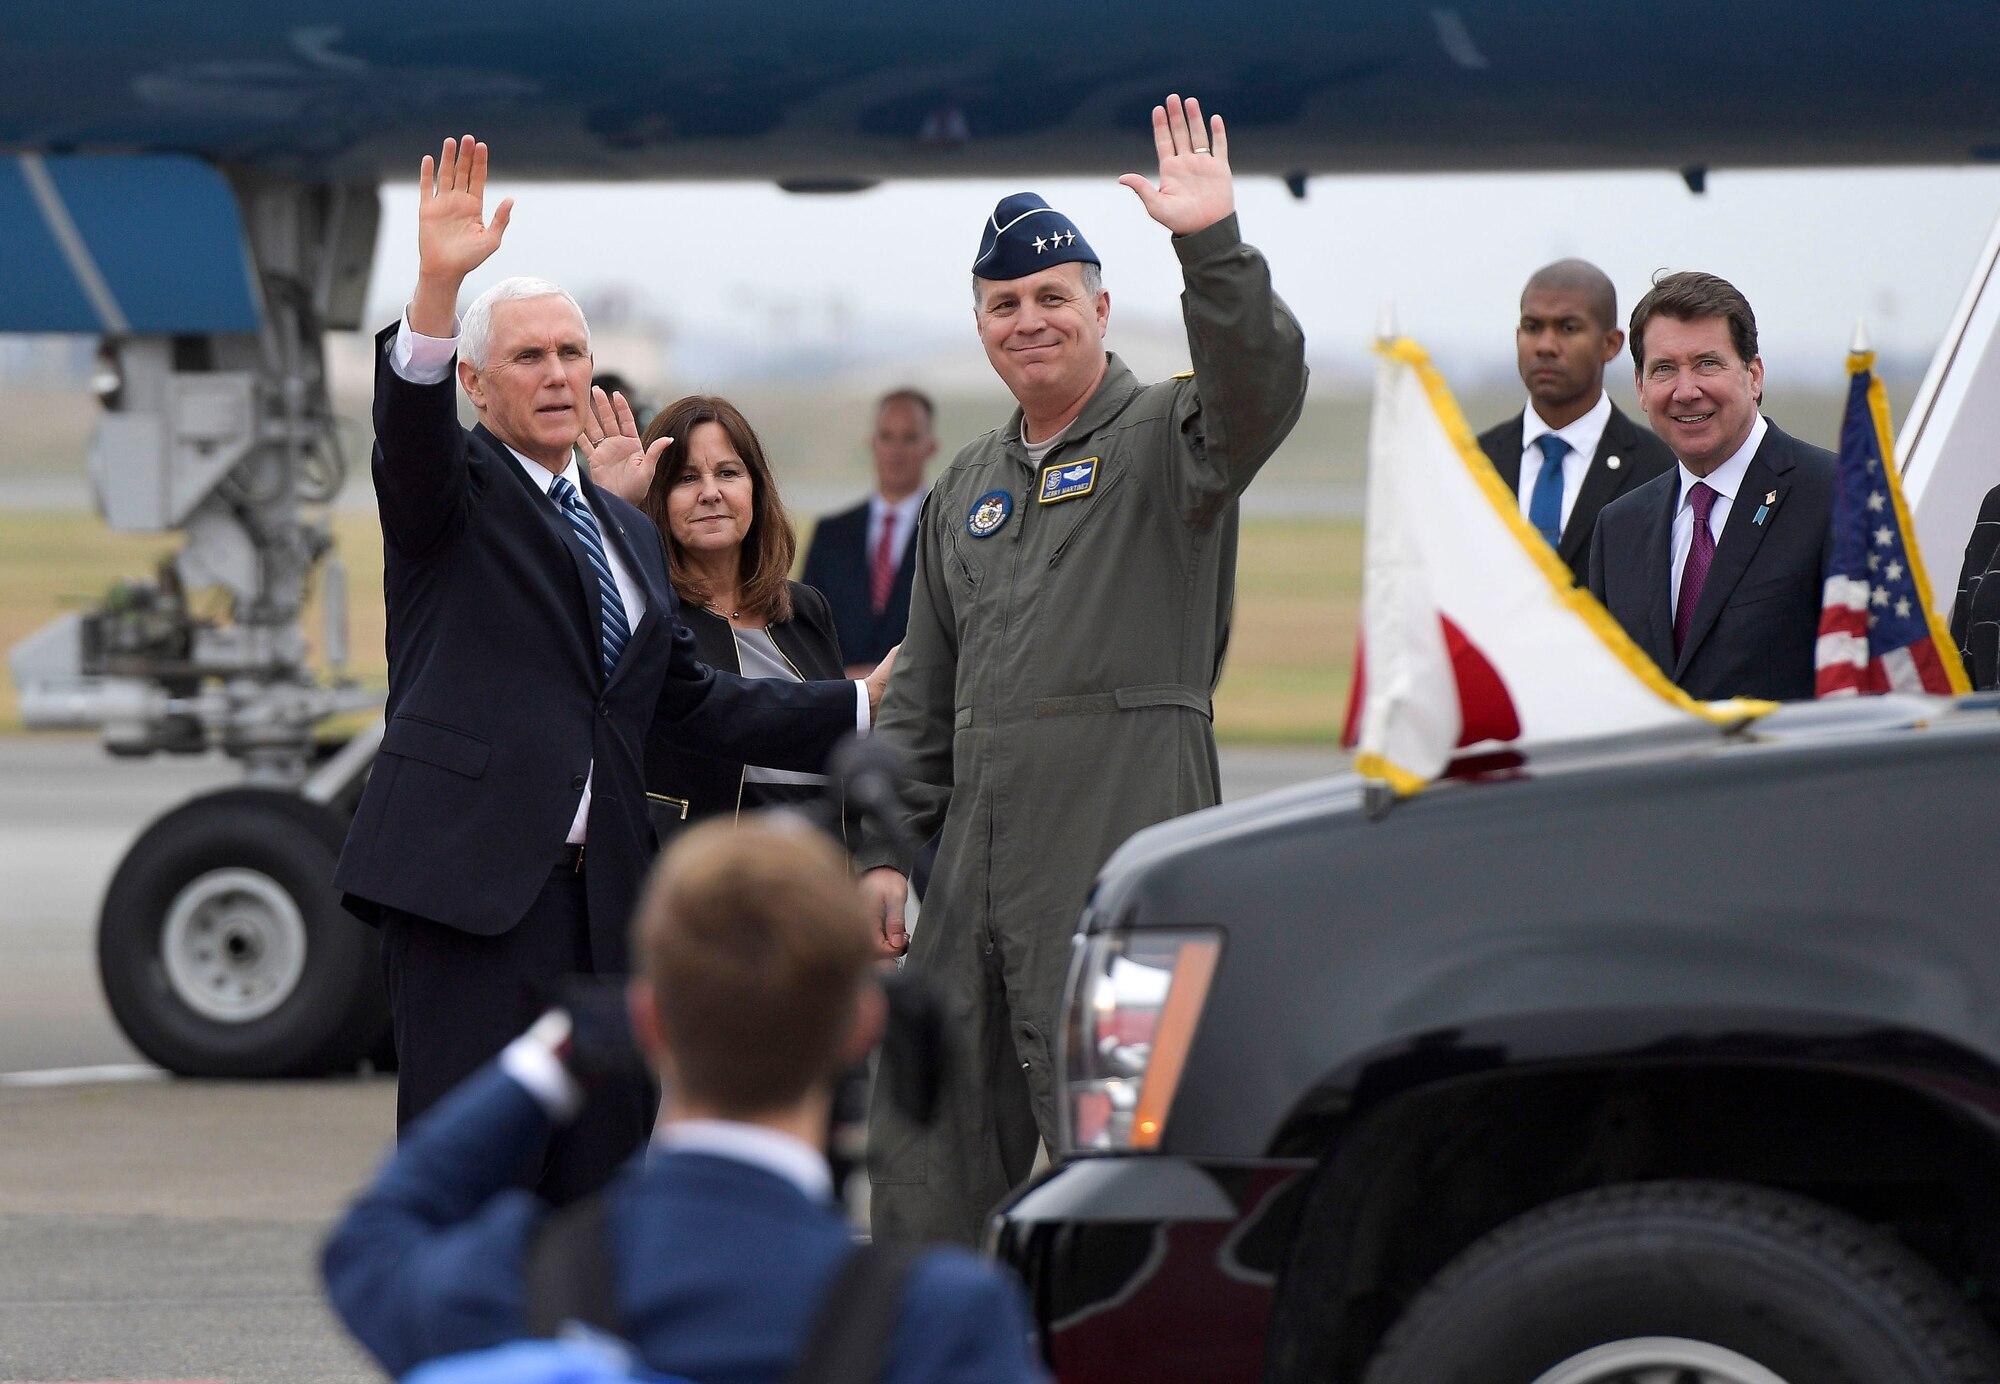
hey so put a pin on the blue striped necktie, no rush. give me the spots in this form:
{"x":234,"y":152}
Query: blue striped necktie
{"x":613,"y":629}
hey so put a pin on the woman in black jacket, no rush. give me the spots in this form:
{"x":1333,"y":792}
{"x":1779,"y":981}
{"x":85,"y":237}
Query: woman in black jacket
{"x":729,"y":550}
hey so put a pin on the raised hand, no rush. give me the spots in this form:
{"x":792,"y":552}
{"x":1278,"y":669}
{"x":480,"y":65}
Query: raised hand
{"x":619,"y":462}
{"x":453,"y":236}
{"x":1196,"y":189}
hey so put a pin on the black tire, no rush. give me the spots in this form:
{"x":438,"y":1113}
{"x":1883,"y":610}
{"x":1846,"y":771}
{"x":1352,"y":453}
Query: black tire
{"x":1808,"y":1293}
{"x":324,"y":1018}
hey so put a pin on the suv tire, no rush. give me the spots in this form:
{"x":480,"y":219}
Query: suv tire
{"x":1719,"y":1282}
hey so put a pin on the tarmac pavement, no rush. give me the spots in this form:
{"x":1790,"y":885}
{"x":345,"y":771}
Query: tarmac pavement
{"x":155,"y":1229}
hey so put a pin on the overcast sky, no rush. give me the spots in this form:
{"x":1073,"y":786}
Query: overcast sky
{"x":1812,"y":250}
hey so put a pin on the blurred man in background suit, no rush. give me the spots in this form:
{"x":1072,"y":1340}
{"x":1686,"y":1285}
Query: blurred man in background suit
{"x":1570,"y":452}
{"x":864,"y":559}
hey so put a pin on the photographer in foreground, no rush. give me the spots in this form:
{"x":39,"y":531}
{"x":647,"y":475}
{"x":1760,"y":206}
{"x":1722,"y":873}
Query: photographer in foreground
{"x":724,"y":1256}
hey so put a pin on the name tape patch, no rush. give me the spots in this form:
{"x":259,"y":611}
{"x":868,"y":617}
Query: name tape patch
{"x":1066,"y":480}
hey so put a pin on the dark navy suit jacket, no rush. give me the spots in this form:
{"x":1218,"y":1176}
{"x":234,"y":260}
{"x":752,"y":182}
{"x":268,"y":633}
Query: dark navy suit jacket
{"x":837,"y":563}
{"x":498,"y":705}
{"x":1757,"y":623}
{"x":1640,"y":455}
{"x":719,"y":1265}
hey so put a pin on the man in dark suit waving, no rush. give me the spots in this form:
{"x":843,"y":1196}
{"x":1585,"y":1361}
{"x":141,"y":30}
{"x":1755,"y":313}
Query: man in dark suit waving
{"x":1716,"y":568}
{"x":1570,"y":452}
{"x":532,"y":640}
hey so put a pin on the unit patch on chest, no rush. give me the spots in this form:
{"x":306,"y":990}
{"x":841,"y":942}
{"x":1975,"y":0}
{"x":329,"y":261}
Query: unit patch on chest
{"x":1066,"y":480}
{"x":988,"y":513}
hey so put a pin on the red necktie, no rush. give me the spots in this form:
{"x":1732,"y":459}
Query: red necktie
{"x":882,"y":570}
{"x":1701,"y":552}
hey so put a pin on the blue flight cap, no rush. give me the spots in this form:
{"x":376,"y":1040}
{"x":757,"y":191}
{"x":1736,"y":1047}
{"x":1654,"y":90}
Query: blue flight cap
{"x":1026,"y":235}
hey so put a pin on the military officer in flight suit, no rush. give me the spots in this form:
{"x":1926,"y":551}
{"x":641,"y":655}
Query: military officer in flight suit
{"x":1075,"y":572}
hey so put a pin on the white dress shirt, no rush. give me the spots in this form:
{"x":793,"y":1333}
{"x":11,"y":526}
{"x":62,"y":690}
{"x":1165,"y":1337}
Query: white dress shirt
{"x":903,"y":514}
{"x":421,"y":359}
{"x":1582,"y":435}
{"x":777,"y":1153}
{"x":1725,"y":480}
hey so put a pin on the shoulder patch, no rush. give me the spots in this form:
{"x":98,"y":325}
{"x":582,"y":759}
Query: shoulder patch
{"x":989,"y":513}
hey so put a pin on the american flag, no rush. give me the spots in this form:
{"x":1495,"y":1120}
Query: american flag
{"x":1877,"y":631}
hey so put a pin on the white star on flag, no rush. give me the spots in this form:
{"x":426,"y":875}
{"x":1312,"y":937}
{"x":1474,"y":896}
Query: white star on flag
{"x":1903,"y":607}
{"x":1473,"y":631}
{"x":1883,"y":538}
{"x":1874,"y":561}
{"x":1876,"y":499}
{"x":1895,"y":571}
{"x":1878,"y":595}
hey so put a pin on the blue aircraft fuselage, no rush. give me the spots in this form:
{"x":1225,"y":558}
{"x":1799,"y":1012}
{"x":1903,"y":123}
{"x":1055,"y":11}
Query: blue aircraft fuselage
{"x":841,"y":94}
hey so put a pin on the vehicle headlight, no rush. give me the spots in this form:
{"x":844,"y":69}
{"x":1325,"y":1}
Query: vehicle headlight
{"x":1133,"y":1002}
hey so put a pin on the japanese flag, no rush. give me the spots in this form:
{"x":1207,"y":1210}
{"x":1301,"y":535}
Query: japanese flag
{"x":1472,"y":630}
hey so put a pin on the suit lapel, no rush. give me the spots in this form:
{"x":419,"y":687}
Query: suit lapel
{"x":564,"y":533}
{"x":1600,"y":487}
{"x":1656,"y":560}
{"x":1507,"y":460}
{"x":1740,"y":538}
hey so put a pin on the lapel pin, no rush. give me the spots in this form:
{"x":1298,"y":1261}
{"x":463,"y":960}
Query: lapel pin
{"x":1612,"y":463}
{"x":1764,"y":510}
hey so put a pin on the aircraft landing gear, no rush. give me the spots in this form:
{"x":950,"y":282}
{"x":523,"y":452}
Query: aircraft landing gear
{"x":223,"y":947}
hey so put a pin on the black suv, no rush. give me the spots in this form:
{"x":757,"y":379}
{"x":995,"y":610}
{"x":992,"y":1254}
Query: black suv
{"x":1639,"y":1062}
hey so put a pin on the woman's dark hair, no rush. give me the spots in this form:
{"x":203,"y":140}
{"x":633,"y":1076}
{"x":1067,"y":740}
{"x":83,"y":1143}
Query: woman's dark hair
{"x":765,"y":560}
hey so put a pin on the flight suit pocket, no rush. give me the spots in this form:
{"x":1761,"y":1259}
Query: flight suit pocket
{"x":1088,"y":508}
{"x":962,"y":570}
{"x":433,"y":742}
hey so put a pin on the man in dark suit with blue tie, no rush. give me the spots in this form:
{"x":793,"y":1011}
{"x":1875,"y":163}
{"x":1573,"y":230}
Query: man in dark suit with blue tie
{"x":1570,"y":452}
{"x":721,"y":1244}
{"x":532,"y":640}
{"x":1717,"y":568}
{"x":864,"y":559}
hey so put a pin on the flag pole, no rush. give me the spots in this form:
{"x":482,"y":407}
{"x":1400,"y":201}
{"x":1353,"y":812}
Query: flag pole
{"x":1385,"y":321}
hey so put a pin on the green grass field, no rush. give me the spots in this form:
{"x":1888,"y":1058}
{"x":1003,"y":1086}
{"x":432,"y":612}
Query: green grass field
{"x":1298,"y":590}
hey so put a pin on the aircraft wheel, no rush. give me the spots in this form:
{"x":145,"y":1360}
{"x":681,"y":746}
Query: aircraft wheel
{"x":223,"y":948}
{"x":1687,"y":1283}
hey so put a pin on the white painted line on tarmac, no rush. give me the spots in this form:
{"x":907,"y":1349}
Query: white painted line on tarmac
{"x":86,"y":1076}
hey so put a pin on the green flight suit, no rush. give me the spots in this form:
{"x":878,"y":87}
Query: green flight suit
{"x":1053,"y":697}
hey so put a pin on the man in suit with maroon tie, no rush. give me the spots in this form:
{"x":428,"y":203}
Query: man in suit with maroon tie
{"x":1716,"y":568}
{"x":864,"y":559}
{"x":1570,"y":452}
